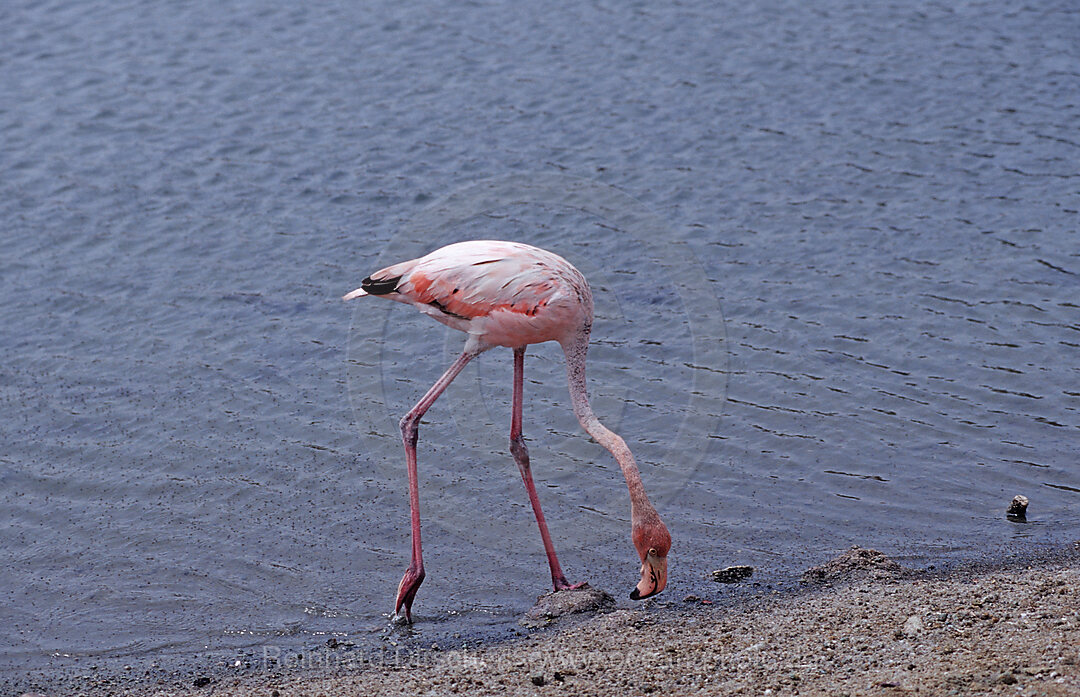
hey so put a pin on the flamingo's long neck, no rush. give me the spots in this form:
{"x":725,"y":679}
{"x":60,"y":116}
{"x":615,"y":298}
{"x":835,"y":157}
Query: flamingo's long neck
{"x":641,"y":509}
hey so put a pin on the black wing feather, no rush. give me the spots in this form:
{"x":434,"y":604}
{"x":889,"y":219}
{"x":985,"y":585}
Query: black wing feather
{"x":379,"y":286}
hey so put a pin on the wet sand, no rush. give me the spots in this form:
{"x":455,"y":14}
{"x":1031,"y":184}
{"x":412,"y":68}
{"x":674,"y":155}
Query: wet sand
{"x":1009,"y":631}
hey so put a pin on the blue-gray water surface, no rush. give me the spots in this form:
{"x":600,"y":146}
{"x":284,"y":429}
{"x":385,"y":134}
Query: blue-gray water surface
{"x":833,"y":245}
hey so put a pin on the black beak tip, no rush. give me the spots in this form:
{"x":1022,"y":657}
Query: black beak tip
{"x":635,"y":595}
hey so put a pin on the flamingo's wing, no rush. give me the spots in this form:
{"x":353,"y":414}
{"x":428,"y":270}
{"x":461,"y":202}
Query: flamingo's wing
{"x":483,"y":284}
{"x":468,"y":279}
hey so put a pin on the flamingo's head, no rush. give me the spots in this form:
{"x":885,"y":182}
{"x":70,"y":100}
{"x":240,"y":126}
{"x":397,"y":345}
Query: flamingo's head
{"x":653,"y":542}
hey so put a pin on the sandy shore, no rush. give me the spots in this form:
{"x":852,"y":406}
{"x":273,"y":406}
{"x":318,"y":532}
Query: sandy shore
{"x":995,"y":632}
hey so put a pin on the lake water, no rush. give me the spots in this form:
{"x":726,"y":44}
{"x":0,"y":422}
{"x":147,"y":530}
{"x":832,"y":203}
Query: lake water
{"x":834,"y":250}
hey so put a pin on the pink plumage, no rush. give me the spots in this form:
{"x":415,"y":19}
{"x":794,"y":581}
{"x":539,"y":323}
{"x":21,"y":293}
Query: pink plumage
{"x":512,"y":294}
{"x":499,"y":293}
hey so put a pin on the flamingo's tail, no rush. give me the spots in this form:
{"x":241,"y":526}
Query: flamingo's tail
{"x":374,"y":286}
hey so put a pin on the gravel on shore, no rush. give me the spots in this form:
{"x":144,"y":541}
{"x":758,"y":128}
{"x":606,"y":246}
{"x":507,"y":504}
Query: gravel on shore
{"x":999,"y":632}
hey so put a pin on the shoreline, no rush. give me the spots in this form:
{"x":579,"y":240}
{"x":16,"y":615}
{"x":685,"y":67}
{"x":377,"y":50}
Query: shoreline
{"x":1003,"y":631}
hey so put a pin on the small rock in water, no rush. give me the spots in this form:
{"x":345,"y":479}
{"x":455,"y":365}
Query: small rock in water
{"x":1018,"y":508}
{"x":732,"y":574}
{"x":568,"y":602}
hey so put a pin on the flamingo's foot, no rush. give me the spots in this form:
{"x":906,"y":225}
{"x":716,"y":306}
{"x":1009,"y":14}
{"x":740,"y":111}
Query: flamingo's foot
{"x":410,"y":583}
{"x":564,"y":585}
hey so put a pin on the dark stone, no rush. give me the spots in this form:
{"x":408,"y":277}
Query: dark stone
{"x":1018,"y":508}
{"x":733,"y":574}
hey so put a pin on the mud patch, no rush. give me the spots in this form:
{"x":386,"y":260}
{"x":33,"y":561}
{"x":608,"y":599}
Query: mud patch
{"x":856,"y":564}
{"x":555,"y":604}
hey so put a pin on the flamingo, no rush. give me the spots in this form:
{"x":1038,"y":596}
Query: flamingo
{"x":512,"y":294}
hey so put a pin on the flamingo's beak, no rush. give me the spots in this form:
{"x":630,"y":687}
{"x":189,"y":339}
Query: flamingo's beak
{"x":653,"y":576}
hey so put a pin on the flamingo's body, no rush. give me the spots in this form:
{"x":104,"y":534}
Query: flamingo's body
{"x":511,"y":294}
{"x":499,"y":293}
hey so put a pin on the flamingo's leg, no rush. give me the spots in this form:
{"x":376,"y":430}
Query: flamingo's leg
{"x":521,"y":457}
{"x":410,"y":428}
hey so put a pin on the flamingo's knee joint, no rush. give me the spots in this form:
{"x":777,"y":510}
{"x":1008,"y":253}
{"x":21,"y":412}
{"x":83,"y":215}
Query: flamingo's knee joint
{"x":409,"y":430}
{"x":518,"y":449}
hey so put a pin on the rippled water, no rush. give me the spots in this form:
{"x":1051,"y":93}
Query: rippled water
{"x":834,"y":249}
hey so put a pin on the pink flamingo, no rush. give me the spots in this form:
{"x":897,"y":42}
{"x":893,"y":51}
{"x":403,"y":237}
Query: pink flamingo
{"x":511,"y":294}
